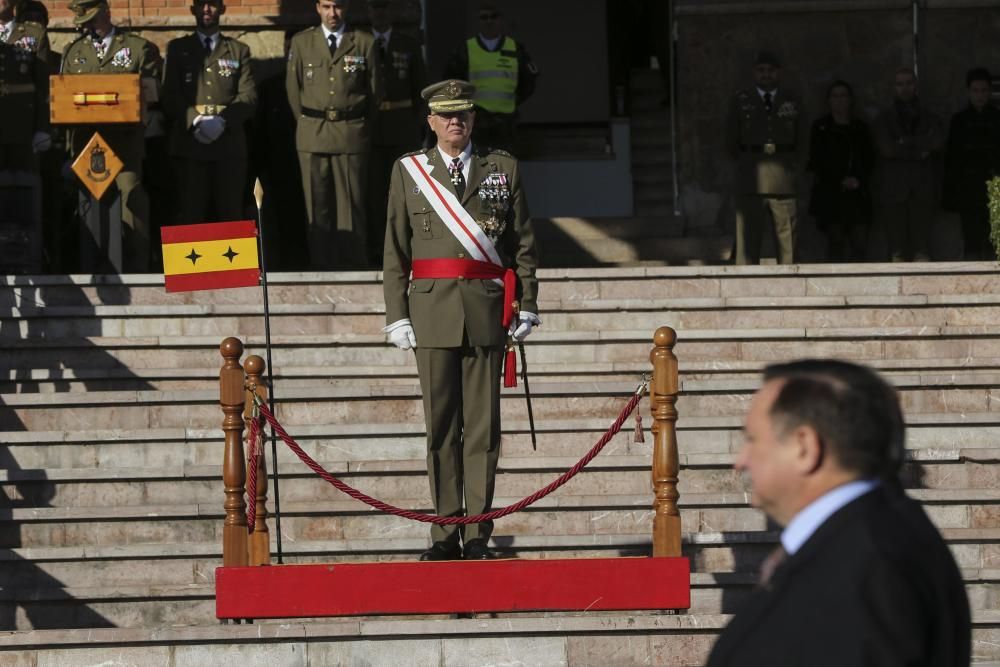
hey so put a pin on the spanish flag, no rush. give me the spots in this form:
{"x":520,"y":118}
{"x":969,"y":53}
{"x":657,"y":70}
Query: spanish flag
{"x":211,"y":255}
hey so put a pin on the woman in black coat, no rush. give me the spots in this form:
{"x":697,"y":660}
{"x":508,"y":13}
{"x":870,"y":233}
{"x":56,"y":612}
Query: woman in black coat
{"x":841,"y":157}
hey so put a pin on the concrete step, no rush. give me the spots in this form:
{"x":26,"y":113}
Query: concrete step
{"x":930,"y":437}
{"x":364,"y":287}
{"x":926,"y":393}
{"x":572,"y":639}
{"x":146,"y":606}
{"x":339,"y":517}
{"x":404,"y":480}
{"x":195,"y":562}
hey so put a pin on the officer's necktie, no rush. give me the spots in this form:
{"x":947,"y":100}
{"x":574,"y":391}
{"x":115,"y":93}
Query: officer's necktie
{"x":208,"y":46}
{"x":770,"y":564}
{"x":382,"y":46}
{"x":101,"y":48}
{"x":333,"y":43}
{"x":767,"y":101}
{"x":457,"y":177}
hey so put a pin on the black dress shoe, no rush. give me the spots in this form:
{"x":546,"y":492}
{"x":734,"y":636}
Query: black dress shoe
{"x":477,"y":550}
{"x":442,"y":551}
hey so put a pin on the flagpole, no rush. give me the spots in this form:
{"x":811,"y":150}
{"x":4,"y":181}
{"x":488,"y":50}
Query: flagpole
{"x":258,"y":195}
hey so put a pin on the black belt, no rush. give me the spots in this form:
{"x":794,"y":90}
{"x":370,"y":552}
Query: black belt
{"x":334,"y":114}
{"x":768,"y":149}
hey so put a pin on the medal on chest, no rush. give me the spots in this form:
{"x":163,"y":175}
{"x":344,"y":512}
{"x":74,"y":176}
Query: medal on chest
{"x":494,"y":203}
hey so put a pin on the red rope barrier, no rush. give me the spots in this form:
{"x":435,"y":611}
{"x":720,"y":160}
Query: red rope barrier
{"x":253,"y":451}
{"x":453,"y":520}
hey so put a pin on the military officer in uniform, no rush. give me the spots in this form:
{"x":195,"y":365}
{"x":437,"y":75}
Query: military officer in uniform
{"x":398,"y":124}
{"x":103,"y":48}
{"x":24,"y":131}
{"x":333,"y":91}
{"x":209,"y":95}
{"x":458,"y":220}
{"x":766,"y":133}
{"x":504,"y":76}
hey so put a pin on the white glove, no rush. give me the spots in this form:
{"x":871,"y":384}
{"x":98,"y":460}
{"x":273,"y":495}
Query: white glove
{"x":401,"y":334}
{"x":524,"y":325}
{"x":210,"y":127}
{"x":41,"y":142}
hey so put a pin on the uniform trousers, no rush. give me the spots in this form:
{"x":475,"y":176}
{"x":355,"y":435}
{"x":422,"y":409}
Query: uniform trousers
{"x":908,"y":226}
{"x":751,"y":214}
{"x":21,"y":205}
{"x":211,"y":190}
{"x":461,"y":395}
{"x":334,"y":185}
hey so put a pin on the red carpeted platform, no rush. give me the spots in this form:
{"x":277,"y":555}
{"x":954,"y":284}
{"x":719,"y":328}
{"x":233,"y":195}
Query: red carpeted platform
{"x":359,"y":589}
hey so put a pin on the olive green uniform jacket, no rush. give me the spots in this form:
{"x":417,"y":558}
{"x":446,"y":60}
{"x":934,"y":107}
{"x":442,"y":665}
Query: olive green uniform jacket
{"x":751,"y":128}
{"x":342,"y":87}
{"x":193,"y":81}
{"x":24,"y":65}
{"x":443,"y":311}
{"x":129,"y":53}
{"x":403,"y":76}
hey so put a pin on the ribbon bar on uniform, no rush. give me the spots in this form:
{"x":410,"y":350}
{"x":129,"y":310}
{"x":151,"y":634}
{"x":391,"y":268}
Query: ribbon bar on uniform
{"x":470,"y":269}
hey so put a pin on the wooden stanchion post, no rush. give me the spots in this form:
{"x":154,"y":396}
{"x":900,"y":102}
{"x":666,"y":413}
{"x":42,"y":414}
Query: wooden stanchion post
{"x":663,"y":391}
{"x":260,"y":539}
{"x":231,"y":397}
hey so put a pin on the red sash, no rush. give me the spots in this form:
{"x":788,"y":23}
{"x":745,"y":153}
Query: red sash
{"x":474,"y":270}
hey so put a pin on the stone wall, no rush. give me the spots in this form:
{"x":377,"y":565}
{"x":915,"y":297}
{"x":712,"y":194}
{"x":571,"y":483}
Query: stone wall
{"x":861,"y":41}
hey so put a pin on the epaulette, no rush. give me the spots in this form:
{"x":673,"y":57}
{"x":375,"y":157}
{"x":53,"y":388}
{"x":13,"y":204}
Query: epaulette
{"x":412,"y":153}
{"x":498,"y":151}
{"x":78,"y":38}
{"x":33,"y":24}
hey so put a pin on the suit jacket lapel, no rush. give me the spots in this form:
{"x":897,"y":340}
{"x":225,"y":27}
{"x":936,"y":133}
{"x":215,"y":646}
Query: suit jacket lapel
{"x":346,"y":44}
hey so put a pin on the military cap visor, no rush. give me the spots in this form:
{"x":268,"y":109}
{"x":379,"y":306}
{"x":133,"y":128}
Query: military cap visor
{"x":85,"y":10}
{"x":449,"y":96}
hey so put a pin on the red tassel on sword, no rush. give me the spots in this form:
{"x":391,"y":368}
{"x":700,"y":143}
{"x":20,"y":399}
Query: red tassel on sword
{"x":510,"y":367}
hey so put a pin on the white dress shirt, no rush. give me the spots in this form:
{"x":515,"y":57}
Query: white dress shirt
{"x":465,"y":156}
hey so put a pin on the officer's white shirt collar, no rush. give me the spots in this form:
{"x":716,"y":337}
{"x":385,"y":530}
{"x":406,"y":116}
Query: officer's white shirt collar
{"x":107,"y":39}
{"x":202,"y":37}
{"x":339,"y":34}
{"x":762,"y":93}
{"x":465,"y":156}
{"x":815,"y":514}
{"x":382,"y":35}
{"x":491,"y":44}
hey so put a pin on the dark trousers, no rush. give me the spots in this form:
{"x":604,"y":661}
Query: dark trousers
{"x":210,"y":191}
{"x":908,"y":227}
{"x":752,"y":212}
{"x":461,"y":392}
{"x":334,"y":186}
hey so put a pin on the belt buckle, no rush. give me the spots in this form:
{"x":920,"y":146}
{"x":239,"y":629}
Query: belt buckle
{"x":332,"y":115}
{"x":210,"y":110}
{"x":770,"y":149}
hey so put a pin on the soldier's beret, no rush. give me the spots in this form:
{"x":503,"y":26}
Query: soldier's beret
{"x":766,"y":58}
{"x":85,"y":10}
{"x":449,"y":95}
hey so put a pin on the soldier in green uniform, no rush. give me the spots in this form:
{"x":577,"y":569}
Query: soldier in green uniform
{"x":397,"y":126}
{"x":766,"y":134}
{"x":105,"y":49}
{"x":208,"y":96}
{"x":458,"y":222}
{"x":333,"y":92}
{"x":24,"y":131}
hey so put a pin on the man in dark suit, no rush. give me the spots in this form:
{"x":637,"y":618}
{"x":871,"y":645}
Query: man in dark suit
{"x":861,"y":577}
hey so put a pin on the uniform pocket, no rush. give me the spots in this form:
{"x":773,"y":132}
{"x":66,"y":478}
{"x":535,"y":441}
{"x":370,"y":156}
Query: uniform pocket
{"x":422,"y":286}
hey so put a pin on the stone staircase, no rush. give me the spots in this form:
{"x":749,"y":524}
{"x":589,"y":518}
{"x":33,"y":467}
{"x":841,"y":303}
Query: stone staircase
{"x":111,"y":452}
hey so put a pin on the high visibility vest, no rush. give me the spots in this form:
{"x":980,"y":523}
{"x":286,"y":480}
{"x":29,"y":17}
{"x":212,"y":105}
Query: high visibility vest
{"x":494,"y":74}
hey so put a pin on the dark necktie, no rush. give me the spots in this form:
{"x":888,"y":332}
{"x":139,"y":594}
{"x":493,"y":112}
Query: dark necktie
{"x":457,"y":177}
{"x":767,"y":101}
{"x":333,"y":43}
{"x":382,"y":46}
{"x":771,"y":563}
{"x":208,"y":46}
